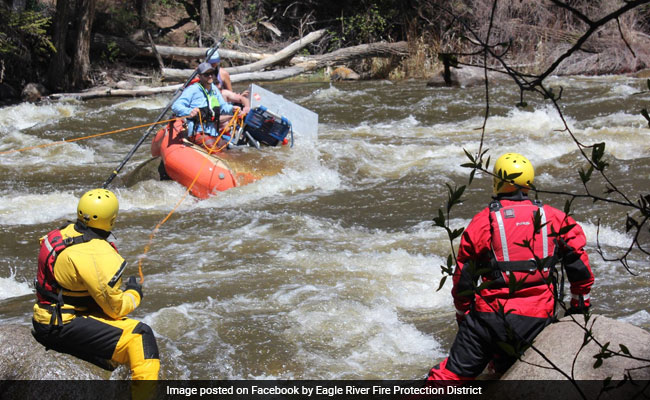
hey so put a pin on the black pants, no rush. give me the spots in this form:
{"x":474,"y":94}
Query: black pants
{"x":483,"y":337}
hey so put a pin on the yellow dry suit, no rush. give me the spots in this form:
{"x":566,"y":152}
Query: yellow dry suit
{"x":91,"y":323}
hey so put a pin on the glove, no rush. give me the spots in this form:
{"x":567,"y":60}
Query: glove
{"x":132,"y":284}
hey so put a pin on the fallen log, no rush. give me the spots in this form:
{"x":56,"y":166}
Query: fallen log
{"x":335,"y":57}
{"x":133,"y":48}
{"x":277,"y":58}
{"x":111,"y":92}
{"x":340,"y":56}
{"x":399,"y":49}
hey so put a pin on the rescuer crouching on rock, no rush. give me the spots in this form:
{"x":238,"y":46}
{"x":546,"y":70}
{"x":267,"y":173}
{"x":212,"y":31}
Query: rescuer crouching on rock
{"x":505,"y":291}
{"x":81,"y":309}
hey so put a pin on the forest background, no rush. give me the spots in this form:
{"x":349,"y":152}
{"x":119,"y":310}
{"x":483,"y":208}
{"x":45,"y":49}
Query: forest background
{"x":55,"y":42}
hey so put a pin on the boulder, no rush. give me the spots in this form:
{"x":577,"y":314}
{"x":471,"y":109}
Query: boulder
{"x":344,"y":74}
{"x":33,"y":92}
{"x":23,"y":358}
{"x":561,"y":344}
{"x":124,"y":85}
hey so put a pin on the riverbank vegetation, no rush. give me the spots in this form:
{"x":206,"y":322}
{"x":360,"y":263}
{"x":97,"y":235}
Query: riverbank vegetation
{"x":74,"y":44}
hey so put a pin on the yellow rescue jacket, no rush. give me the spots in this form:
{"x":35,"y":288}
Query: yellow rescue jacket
{"x":89,"y":275}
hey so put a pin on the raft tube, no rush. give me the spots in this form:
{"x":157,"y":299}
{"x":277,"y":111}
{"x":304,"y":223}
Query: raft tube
{"x":191,"y":165}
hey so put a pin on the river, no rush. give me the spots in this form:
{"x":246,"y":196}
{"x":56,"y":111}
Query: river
{"x":328,"y":269}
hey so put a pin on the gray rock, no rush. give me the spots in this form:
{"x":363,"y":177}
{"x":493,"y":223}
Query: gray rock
{"x":124,"y":85}
{"x":344,"y":74}
{"x":33,"y":92}
{"x":561,"y":344}
{"x":22,"y":357}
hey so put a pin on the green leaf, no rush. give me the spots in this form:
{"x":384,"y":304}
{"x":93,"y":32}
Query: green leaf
{"x":471,"y":157}
{"x":440,"y":219}
{"x":566,"y":229}
{"x":630,"y":223}
{"x":456,"y":233}
{"x":586,"y":176}
{"x":597,"y":153}
{"x":624,"y":349}
{"x":471,"y":176}
{"x":598,"y":363}
{"x":442,"y":283}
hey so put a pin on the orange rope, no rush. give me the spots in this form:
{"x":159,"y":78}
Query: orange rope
{"x":153,"y":233}
{"x":233,"y":121}
{"x":86,"y":137}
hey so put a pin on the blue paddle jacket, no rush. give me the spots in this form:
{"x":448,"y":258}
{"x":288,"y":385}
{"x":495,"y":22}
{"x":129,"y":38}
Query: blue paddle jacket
{"x":194,"y":96}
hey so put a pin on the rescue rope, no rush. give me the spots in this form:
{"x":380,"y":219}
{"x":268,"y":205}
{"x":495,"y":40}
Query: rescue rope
{"x":231,"y":125}
{"x":189,"y":188}
{"x":86,"y":137}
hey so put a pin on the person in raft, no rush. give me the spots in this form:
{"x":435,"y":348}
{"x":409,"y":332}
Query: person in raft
{"x":501,"y":240}
{"x":224,"y":84}
{"x":205,"y":108}
{"x":223,"y":77}
{"x":80,"y":308}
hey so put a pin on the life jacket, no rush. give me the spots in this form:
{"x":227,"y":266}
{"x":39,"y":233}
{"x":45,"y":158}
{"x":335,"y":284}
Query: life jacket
{"x":48,"y":292}
{"x":510,"y":227}
{"x":212,"y":111}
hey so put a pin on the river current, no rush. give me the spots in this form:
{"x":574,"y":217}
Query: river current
{"x":327,"y":268}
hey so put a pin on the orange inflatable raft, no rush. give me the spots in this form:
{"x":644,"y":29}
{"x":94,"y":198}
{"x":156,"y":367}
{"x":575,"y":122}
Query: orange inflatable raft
{"x":195,"y":166}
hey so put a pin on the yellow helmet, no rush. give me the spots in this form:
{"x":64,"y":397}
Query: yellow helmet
{"x":507,"y":165}
{"x":98,"y":209}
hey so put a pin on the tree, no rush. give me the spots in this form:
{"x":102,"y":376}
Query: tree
{"x":212,"y":18}
{"x":81,"y":59}
{"x":56,"y":73}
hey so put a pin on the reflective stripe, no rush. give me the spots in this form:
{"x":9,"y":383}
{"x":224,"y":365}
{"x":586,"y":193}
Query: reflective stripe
{"x":544,"y":234}
{"x":577,"y":296}
{"x":502,"y":234}
{"x":47,"y":244}
{"x":459,"y":312}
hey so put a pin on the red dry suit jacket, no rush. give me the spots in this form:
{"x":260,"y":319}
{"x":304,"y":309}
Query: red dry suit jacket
{"x":489,"y":246}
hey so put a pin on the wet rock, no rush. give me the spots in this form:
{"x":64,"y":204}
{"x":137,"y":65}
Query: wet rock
{"x":33,"y":92}
{"x":344,"y":74}
{"x":561,"y":344}
{"x":23,"y":358}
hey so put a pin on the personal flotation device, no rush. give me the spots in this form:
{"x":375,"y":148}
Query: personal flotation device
{"x":48,"y":292}
{"x":513,"y":237}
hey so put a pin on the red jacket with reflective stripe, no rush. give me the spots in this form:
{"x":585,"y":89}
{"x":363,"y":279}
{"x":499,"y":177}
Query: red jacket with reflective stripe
{"x":481,"y":246}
